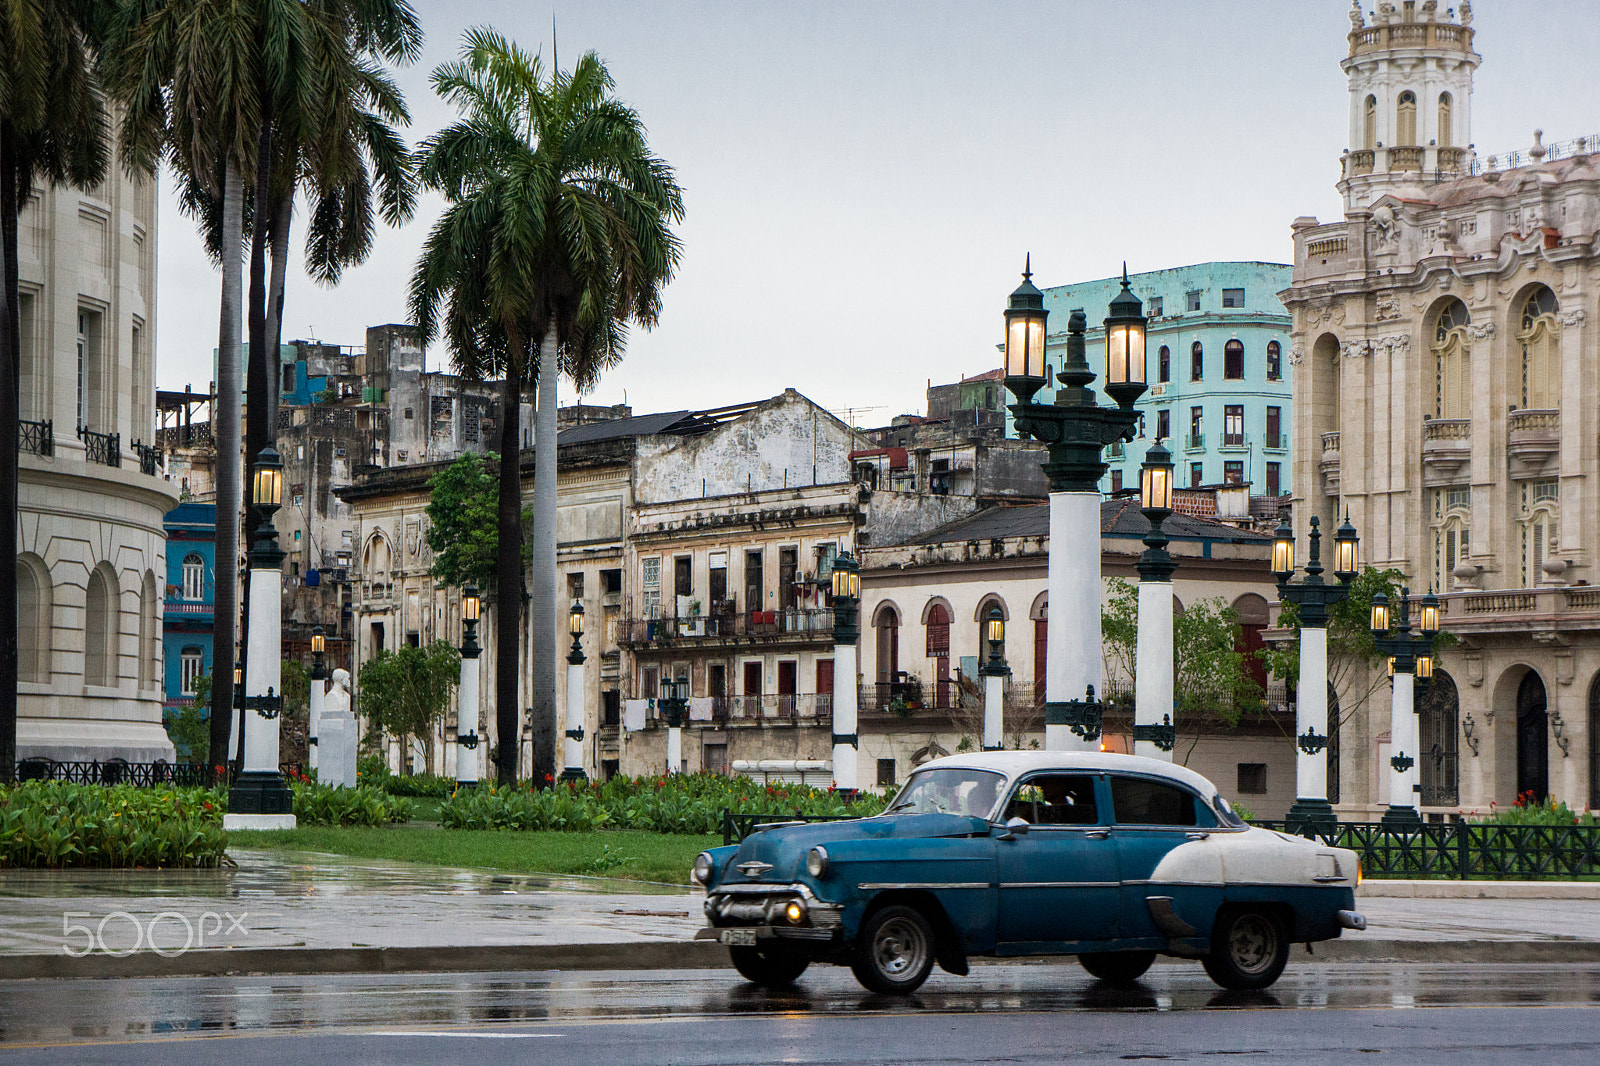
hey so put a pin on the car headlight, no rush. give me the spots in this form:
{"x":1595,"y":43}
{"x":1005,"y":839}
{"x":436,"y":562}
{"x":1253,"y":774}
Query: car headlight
{"x":795,"y":912}
{"x":702,"y":868}
{"x":817,"y":862}
{"x":1358,"y":875}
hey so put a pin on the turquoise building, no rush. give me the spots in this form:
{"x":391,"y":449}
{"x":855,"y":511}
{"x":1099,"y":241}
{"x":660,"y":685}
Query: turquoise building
{"x":1218,"y":371}
{"x":190,"y":607}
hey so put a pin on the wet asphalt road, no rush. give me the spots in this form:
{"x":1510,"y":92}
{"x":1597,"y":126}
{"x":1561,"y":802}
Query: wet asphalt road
{"x":1040,"y":1013}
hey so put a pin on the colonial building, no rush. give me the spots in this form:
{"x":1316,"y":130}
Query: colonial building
{"x":189,"y":612}
{"x":91,"y":560}
{"x":1446,"y":375}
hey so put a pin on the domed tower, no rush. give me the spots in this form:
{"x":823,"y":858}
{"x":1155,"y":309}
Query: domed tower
{"x":1410,"y":74}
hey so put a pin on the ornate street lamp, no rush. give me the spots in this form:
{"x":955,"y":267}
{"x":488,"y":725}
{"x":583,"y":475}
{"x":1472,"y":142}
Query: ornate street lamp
{"x":467,"y":708}
{"x":572,"y":763}
{"x":1074,"y":429}
{"x":319,"y":674}
{"x":1410,"y":661}
{"x":259,"y":798}
{"x":994,"y":672}
{"x":846,"y":633}
{"x":1313,"y":596}
{"x":674,"y":705}
{"x":1154,"y":734}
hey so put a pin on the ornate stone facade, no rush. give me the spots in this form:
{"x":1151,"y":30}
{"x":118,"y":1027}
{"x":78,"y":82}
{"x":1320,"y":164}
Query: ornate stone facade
{"x":1446,"y":402}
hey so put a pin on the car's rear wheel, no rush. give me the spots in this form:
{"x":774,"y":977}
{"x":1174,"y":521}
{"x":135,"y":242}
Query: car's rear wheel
{"x":769,"y":967}
{"x":895,"y":951}
{"x":1118,"y":967}
{"x":1249,"y":948}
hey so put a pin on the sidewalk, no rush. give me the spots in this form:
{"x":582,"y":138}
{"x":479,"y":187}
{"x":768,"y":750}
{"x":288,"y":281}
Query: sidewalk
{"x":306,"y":913}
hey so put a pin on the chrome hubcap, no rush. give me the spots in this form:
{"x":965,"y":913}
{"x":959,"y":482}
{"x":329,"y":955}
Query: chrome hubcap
{"x":899,"y":948}
{"x":1253,"y":942}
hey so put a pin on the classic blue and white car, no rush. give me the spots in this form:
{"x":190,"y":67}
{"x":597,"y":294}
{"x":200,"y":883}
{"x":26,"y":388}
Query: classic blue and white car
{"x":1112,"y":858}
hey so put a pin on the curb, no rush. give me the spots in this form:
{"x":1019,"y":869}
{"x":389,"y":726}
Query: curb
{"x":676,"y":955}
{"x":1373,"y":888}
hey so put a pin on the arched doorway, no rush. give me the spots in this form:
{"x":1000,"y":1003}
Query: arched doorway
{"x":887,"y":624}
{"x":1533,"y":751}
{"x":937,"y":623}
{"x":1438,"y":712}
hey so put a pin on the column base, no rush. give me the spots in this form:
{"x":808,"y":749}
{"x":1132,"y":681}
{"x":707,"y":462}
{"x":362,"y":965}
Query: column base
{"x":1314,"y":814}
{"x":573,"y":773}
{"x":260,"y":792}
{"x":997,"y":747}
{"x":232,"y":822}
{"x":466,"y":785}
{"x":1401,"y":818}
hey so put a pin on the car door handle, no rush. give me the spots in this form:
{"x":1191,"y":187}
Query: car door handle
{"x":1197,"y":836}
{"x":1097,"y":834}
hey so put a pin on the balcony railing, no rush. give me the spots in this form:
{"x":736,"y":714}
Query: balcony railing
{"x":1447,"y":429}
{"x":1233,"y":440}
{"x":1114,"y":451}
{"x":1405,"y":158}
{"x":908,"y":696}
{"x":36,"y":437}
{"x":188,"y":607}
{"x":1276,"y":442}
{"x":1330,"y":442}
{"x":102,"y":448}
{"x":149,"y":457}
{"x":1195,"y":442}
{"x":812,"y":623}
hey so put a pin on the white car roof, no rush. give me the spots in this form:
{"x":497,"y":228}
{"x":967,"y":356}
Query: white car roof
{"x":1015,"y":763}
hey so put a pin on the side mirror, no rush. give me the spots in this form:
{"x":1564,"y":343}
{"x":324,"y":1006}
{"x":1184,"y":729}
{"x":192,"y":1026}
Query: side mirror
{"x":1015,"y":827}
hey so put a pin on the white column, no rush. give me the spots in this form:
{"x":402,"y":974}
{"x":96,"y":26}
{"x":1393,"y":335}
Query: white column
{"x":1153,"y":664}
{"x":674,"y":749}
{"x":314,"y":719}
{"x":846,"y":746}
{"x":1072,"y":659}
{"x":467,"y":711}
{"x":263,"y":669}
{"x":1311,"y":713}
{"x":1403,"y":741}
{"x":572,"y":763}
{"x":994,"y":694}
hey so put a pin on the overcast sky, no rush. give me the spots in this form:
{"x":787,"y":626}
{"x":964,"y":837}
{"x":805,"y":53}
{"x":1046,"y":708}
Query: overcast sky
{"x":862,"y":180}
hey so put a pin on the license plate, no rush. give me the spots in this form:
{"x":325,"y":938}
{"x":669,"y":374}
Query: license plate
{"x":739,"y":938}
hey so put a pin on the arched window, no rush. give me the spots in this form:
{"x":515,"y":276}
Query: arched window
{"x":1541,"y":364}
{"x":887,"y":624}
{"x":1444,"y":121}
{"x":1041,"y":632}
{"x":1196,"y":361}
{"x":1452,"y":546}
{"x":1274,"y":361}
{"x":937,"y":625}
{"x":33,"y":619}
{"x":1166,"y":364}
{"x":191,"y":665}
{"x":149,"y":634}
{"x":1252,"y":612}
{"x":1233,"y":361}
{"x":100,"y":627}
{"x":1539,"y":540}
{"x":194,"y":576}
{"x":1369,"y":135}
{"x":1450,"y":370}
{"x":1406,"y":119}
{"x":1437,"y":745}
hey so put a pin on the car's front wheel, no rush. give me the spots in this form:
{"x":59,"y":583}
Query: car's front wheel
{"x":1118,"y":967}
{"x":769,"y":967}
{"x":895,"y":951}
{"x":1249,"y":948}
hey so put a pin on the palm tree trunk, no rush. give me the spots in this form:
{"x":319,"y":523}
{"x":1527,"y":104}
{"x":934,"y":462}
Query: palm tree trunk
{"x":262,"y":416}
{"x":225,"y":423}
{"x":542,"y":641}
{"x":278,"y":245}
{"x":10,"y":385}
{"x":508,"y":575}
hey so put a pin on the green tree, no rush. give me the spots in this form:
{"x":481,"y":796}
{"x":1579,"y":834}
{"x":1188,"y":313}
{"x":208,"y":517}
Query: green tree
{"x":52,"y":126}
{"x":187,"y":727}
{"x":405,"y":693}
{"x":1211,"y":687}
{"x":555,"y":236}
{"x":462,"y":532}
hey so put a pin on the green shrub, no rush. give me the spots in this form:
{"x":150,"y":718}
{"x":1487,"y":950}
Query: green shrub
{"x":1526,"y":810}
{"x":55,"y":824}
{"x":326,"y":805}
{"x":430,"y":786}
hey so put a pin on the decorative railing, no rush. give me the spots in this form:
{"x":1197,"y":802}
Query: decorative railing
{"x":1361,"y":162}
{"x":1529,"y":419}
{"x":1328,"y":246}
{"x":1195,"y":442}
{"x":102,"y":448}
{"x":1330,"y":442}
{"x":812,"y":622}
{"x":1578,"y":146}
{"x":1276,"y":442}
{"x":1409,"y":35}
{"x":1462,"y":850}
{"x":188,"y":607}
{"x":1447,"y":429}
{"x":1114,"y":450}
{"x":1405,"y":158}
{"x":908,"y":696}
{"x":1451,"y":162}
{"x":36,"y":437}
{"x":149,"y":457}
{"x":1499,"y":602}
{"x":117,"y":772}
{"x":1233,"y":440}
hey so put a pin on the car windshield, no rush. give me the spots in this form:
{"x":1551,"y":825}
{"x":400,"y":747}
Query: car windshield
{"x":952,"y":790}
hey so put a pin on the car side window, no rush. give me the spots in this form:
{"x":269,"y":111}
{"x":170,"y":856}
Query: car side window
{"x":1140,"y":801}
{"x":1055,"y":799}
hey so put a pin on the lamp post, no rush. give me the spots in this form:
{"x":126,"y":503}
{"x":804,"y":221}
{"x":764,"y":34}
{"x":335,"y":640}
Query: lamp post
{"x":674,"y":704}
{"x":1313,"y":596}
{"x":319,"y":674}
{"x":467,"y":708}
{"x":994,"y":672}
{"x":1410,"y":661}
{"x":1154,"y":734}
{"x":572,"y":764}
{"x":259,"y":799}
{"x":1074,"y":429}
{"x":846,"y":632}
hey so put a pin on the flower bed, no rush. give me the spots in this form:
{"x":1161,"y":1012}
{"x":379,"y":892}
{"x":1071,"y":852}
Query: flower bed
{"x":55,"y":824}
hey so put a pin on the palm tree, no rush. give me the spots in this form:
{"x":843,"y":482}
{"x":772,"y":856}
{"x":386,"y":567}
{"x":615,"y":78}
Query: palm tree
{"x":52,"y":126}
{"x":556,"y":236}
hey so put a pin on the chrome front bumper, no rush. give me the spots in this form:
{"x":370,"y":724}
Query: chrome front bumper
{"x":1352,"y":920}
{"x":743,"y":911}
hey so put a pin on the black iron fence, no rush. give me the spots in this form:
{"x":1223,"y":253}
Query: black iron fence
{"x":102,"y":448}
{"x":137,"y":774}
{"x":149,"y":457}
{"x":1463,"y":850}
{"x":36,"y":437}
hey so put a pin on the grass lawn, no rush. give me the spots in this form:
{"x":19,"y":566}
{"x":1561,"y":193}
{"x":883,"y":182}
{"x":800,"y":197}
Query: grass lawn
{"x":629,"y":854}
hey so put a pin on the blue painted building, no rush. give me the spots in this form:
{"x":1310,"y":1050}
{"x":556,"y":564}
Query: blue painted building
{"x":1218,"y":370}
{"x":190,"y":600}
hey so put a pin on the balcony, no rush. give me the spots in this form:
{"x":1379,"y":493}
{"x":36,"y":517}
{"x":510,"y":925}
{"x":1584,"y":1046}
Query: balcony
{"x":1446,"y":448}
{"x":794,"y":708}
{"x":1533,"y":442}
{"x":1115,"y":450}
{"x":1406,"y":158}
{"x":188,"y":610}
{"x":1330,"y":464}
{"x":794,"y":626}
{"x":1542,"y":615}
{"x":1194,"y":442}
{"x":1235,"y":442}
{"x":1360,"y":162}
{"x":149,"y":457}
{"x":102,"y":448}
{"x":1452,"y":160}
{"x":1275,"y":442}
{"x":37,"y":438}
